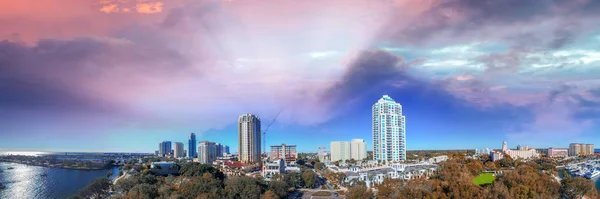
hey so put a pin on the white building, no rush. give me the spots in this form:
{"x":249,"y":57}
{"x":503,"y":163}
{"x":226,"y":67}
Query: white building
{"x":483,"y":151}
{"x":207,"y":152}
{"x":322,"y":154}
{"x":179,"y":153}
{"x":522,"y":152}
{"x":389,"y":130}
{"x":358,"y":149}
{"x":249,"y":139}
{"x":344,"y":150}
{"x":558,"y":152}
{"x":340,"y":151}
{"x":274,"y":167}
{"x":375,"y":176}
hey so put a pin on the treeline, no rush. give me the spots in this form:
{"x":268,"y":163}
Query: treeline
{"x":200,"y":181}
{"x":454,"y":179}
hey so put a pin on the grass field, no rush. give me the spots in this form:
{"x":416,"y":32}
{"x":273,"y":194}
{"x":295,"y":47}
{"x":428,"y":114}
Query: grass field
{"x":484,"y":178}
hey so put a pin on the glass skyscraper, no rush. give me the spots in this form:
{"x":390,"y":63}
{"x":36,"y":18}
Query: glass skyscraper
{"x":191,"y":153}
{"x":389,"y":131}
{"x":165,"y":149}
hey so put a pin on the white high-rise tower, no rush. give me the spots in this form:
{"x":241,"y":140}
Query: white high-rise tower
{"x":389,"y":130}
{"x":249,"y":139}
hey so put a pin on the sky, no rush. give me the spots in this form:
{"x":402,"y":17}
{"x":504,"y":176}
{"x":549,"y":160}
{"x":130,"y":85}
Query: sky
{"x":123,"y":75}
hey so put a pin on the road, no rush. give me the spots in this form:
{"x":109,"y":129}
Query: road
{"x":308,"y":194}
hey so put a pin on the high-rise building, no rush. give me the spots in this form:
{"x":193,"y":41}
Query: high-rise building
{"x":283,"y":151}
{"x":249,"y":139}
{"x":165,"y":149}
{"x":340,"y":151}
{"x":358,"y":149}
{"x":344,"y":150}
{"x":178,"y":150}
{"x":576,"y":149}
{"x":226,"y":149}
{"x":192,"y":146}
{"x":389,"y":131}
{"x":221,"y":149}
{"x":207,"y":152}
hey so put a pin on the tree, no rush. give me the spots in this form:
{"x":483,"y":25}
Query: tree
{"x":244,"y":187}
{"x":507,"y":161}
{"x":309,"y":177}
{"x":578,"y":188}
{"x":196,"y":169}
{"x":389,"y":189}
{"x":270,"y":195}
{"x":319,"y":166}
{"x":143,"y":191}
{"x":490,"y":166}
{"x":474,"y":167}
{"x":206,"y":185}
{"x":484,"y":158}
{"x":279,"y":188}
{"x":359,"y":192}
{"x":96,"y":189}
{"x":293,"y":179}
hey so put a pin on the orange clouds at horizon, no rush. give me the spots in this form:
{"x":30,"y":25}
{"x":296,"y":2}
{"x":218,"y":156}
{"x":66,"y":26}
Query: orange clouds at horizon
{"x":142,"y":7}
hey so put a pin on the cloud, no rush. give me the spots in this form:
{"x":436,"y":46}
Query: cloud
{"x":110,"y":8}
{"x":150,"y":7}
{"x":464,"y":77}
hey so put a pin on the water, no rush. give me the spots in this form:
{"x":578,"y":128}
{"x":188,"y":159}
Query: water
{"x":596,"y":180}
{"x":26,"y":181}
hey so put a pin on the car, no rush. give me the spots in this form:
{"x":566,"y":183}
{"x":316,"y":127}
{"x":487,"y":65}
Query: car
{"x":336,"y":194}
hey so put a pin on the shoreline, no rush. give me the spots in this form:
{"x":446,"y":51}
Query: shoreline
{"x":58,"y":167}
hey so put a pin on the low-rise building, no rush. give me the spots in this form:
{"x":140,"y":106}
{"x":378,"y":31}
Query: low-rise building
{"x":522,"y":152}
{"x":375,"y":175}
{"x":558,"y":152}
{"x":438,"y":159}
{"x":272,"y":168}
{"x":496,"y":155}
{"x":164,"y":168}
{"x":482,"y":151}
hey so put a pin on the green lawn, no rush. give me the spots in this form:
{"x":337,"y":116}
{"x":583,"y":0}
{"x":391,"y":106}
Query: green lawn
{"x":484,"y":178}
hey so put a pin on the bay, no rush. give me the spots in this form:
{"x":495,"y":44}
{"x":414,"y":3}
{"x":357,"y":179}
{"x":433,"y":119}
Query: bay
{"x":26,"y":181}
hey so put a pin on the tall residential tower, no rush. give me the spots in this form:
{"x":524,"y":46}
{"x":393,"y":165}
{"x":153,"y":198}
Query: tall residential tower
{"x":207,"y":152}
{"x":191,"y":153}
{"x":249,"y":138}
{"x":178,"y":150}
{"x":389,"y":130}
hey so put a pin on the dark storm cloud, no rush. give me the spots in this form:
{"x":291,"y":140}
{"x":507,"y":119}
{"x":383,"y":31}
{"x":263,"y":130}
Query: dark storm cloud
{"x":370,"y":69}
{"x":60,"y":74}
{"x":559,"y":91}
{"x":456,"y":21}
{"x":374,"y":74}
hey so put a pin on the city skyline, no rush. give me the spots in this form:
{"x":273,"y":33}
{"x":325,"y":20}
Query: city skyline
{"x":122,"y":76}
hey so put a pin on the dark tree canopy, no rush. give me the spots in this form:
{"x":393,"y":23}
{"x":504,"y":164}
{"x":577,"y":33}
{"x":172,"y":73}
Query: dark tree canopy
{"x":98,"y":188}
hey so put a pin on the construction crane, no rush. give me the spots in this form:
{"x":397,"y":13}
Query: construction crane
{"x":264,"y":133}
